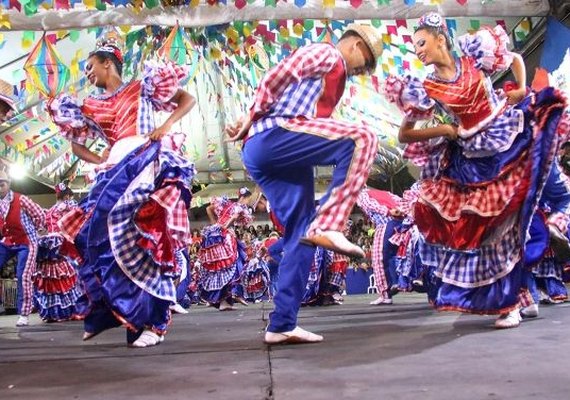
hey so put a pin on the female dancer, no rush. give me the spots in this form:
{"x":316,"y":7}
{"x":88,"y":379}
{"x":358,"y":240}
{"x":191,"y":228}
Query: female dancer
{"x":222,"y":255}
{"x":132,"y":228}
{"x":57,"y":288}
{"x":485,"y":169}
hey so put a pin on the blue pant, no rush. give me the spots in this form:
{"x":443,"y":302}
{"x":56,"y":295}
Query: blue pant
{"x":281,"y":162}
{"x":21,"y":252}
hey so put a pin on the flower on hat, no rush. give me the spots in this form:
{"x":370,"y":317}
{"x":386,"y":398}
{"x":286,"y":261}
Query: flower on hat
{"x":433,"y":20}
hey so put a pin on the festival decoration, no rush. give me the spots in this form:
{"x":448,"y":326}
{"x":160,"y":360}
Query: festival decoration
{"x":45,"y":70}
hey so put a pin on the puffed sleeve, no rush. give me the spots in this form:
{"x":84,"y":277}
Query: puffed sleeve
{"x":219,"y":204}
{"x":244,"y":215}
{"x":66,"y":113}
{"x":160,"y":82}
{"x":488,"y":47}
{"x":409,"y":94}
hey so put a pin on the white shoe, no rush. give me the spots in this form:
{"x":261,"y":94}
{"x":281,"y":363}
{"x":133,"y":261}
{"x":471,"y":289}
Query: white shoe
{"x":381,"y":301}
{"x":147,"y":339}
{"x":178,"y":309}
{"x":509,"y":320}
{"x":297,"y":335}
{"x":335,"y":241}
{"x":225,"y":306}
{"x":530,"y":311}
{"x":22,"y":321}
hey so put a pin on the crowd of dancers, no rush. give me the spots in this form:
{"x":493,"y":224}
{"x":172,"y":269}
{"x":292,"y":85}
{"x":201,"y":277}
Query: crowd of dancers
{"x":483,"y":231}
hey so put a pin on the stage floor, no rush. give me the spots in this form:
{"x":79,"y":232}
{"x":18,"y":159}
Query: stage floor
{"x":403,"y":351}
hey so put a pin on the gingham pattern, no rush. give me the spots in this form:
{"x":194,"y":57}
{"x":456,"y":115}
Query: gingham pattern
{"x":378,"y":261}
{"x":224,"y":249}
{"x":336,"y":279}
{"x":225,"y":209}
{"x":66,"y":113}
{"x":375,"y":211}
{"x":293,"y":88}
{"x":54,"y":214}
{"x":489,"y":47}
{"x":32,"y":218}
{"x":71,"y":223}
{"x":475,"y":268}
{"x":559,"y":220}
{"x":217,"y":280}
{"x":123,"y":233}
{"x":408,"y":200}
{"x":549,"y":268}
{"x":451,"y":200}
{"x":160,"y":82}
{"x":333,"y":214}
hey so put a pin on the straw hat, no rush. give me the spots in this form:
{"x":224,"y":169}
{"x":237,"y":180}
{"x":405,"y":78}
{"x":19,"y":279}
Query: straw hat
{"x":7,"y":93}
{"x":4,"y":177}
{"x":370,"y":36}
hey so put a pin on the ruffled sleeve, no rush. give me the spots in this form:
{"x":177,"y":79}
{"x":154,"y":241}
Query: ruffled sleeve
{"x":244,"y":216}
{"x":410,"y":97}
{"x":161,"y":81}
{"x":219,"y":203}
{"x":488,"y":47}
{"x":66,"y":113}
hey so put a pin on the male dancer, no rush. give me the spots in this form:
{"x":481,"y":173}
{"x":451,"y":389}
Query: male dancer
{"x":288,"y":132}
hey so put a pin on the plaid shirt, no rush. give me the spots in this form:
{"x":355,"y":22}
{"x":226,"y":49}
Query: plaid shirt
{"x":294,"y":87}
{"x":32,"y":218}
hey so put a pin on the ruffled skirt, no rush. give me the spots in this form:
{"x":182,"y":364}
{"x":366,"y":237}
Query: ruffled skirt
{"x":131,"y":232}
{"x":222,"y":257}
{"x":478,"y":225}
{"x":56,"y":287}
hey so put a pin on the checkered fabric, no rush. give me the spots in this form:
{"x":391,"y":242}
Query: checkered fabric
{"x":123,"y":233}
{"x":451,"y":200}
{"x":71,"y":223}
{"x":293,"y":88}
{"x":549,"y":268}
{"x":375,"y":211}
{"x":32,"y":218}
{"x":489,"y":47}
{"x":474,"y":268}
{"x":378,"y":261}
{"x":333,"y":214}
{"x":160,"y":82}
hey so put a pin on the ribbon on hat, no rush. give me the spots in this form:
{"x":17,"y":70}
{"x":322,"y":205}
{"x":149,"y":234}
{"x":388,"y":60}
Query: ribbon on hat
{"x":60,"y":187}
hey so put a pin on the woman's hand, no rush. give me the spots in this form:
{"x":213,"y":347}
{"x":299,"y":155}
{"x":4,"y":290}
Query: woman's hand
{"x":238,"y":130}
{"x":450,"y":131}
{"x":515,"y":96}
{"x":160,"y":132}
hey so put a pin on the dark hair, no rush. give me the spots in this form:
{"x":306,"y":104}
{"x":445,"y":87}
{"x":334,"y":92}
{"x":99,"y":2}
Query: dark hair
{"x":105,"y":55}
{"x":63,"y":193}
{"x":436,"y":32}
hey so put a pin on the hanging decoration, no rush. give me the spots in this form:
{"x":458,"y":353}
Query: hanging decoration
{"x":46,"y":71}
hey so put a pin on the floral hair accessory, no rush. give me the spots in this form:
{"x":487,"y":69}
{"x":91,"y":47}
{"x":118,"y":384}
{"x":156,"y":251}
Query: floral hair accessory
{"x":109,"y":45}
{"x":433,"y":20}
{"x":244,"y":191}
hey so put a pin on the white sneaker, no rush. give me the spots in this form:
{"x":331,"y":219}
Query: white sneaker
{"x":530,"y":311}
{"x":178,"y":309}
{"x":510,"y":320}
{"x":22,"y":321}
{"x":381,"y":301}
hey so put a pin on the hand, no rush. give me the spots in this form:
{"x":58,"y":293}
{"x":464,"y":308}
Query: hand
{"x":450,"y":131}
{"x":105,"y":155}
{"x":159,"y":132}
{"x":238,"y":130}
{"x":515,"y":96}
